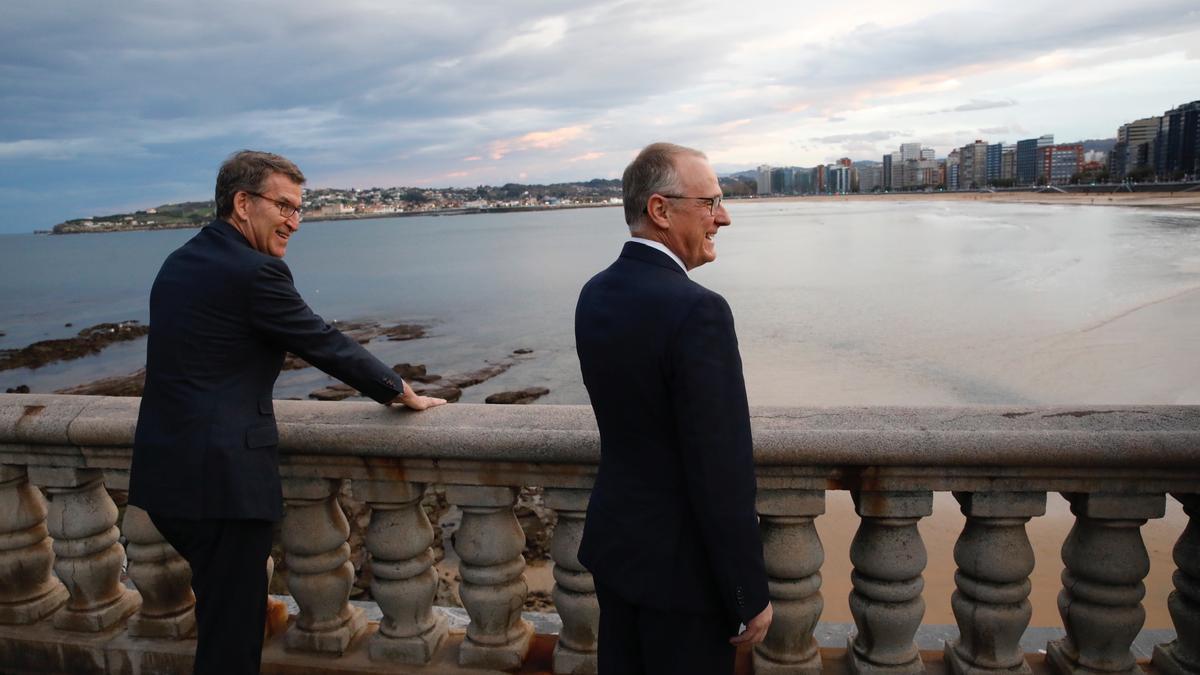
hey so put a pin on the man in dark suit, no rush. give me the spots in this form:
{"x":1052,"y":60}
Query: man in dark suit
{"x":671,"y":535}
{"x":223,"y":312}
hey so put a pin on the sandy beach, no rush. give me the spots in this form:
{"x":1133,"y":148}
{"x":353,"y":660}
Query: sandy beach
{"x":1187,"y":200}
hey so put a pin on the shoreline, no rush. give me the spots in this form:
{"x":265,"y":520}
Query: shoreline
{"x":469,"y":211}
{"x":1181,"y":200}
{"x":1184,"y":200}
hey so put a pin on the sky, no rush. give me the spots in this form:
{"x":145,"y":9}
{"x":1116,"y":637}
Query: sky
{"x":109,"y":106}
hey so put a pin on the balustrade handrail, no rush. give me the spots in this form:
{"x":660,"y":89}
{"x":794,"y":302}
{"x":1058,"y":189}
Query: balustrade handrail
{"x":1137,"y":436}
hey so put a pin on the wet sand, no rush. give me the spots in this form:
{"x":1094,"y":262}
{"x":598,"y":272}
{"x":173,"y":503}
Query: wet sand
{"x":1188,"y":200}
{"x":940,"y":531}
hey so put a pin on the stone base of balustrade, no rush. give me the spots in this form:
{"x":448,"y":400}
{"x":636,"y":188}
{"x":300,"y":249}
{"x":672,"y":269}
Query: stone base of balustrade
{"x":1065,"y":662}
{"x":41,"y":647}
{"x":960,"y":666}
{"x":568,"y":660}
{"x":507,"y":656}
{"x":766,"y":666}
{"x":99,"y":618}
{"x":415,"y":649}
{"x":1166,"y":661}
{"x":327,"y":641}
{"x":175,"y":627}
{"x":860,"y":666}
{"x":32,"y":611}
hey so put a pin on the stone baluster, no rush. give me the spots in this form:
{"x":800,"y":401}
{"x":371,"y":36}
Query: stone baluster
{"x":403,"y":579}
{"x":888,"y":557}
{"x":1182,"y":655}
{"x":162,"y":577}
{"x":489,"y":543}
{"x":28,"y":592}
{"x":1101,"y":599}
{"x":320,"y":573}
{"x":794,"y":556}
{"x":574,"y":589}
{"x":88,"y":557}
{"x":991,"y":599}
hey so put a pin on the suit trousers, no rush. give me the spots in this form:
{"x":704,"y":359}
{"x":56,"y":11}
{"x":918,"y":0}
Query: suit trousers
{"x":637,"y":640}
{"x":229,"y":577}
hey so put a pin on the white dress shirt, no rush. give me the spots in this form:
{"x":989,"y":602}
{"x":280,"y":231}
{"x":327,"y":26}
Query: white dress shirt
{"x":662,"y":247}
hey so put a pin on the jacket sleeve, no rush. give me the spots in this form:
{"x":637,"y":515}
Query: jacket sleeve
{"x":279,"y":314}
{"x":713,"y":425}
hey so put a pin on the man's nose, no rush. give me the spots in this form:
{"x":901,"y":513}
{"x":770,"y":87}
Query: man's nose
{"x":721,"y":217}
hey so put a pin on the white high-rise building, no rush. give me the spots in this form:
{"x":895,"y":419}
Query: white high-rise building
{"x":764,"y":179}
{"x":928,"y":153}
{"x":910,"y":151}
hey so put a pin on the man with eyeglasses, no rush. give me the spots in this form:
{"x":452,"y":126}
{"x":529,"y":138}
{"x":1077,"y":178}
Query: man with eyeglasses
{"x":223,"y":312}
{"x":671,"y":536}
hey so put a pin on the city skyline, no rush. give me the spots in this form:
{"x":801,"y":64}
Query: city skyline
{"x":110,"y":109}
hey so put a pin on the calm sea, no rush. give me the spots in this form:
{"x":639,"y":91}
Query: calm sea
{"x":837,"y":303}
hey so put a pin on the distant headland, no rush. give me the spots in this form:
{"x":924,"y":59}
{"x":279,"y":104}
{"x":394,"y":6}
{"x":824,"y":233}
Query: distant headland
{"x":352,"y":204}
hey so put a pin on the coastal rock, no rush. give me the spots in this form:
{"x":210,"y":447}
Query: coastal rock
{"x":474,"y":377}
{"x":334,"y":392}
{"x":363,"y":332}
{"x":448,"y":392}
{"x":409,"y":371}
{"x":19,"y":389}
{"x":121,"y":385}
{"x":523,"y":350}
{"x":89,"y":341}
{"x":518,"y":397}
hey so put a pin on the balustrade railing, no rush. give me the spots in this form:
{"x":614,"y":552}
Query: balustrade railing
{"x":63,"y":606}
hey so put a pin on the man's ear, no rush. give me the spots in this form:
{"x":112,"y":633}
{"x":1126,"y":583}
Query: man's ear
{"x":656,"y":209}
{"x":241,"y":205}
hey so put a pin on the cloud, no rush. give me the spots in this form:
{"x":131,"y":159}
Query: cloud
{"x":978,"y":104}
{"x":863,"y":136}
{"x":539,"y":140}
{"x":97,"y":98}
{"x":587,"y":157}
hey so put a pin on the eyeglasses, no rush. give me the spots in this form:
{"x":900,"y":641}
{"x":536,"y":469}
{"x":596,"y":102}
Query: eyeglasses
{"x":714,"y":203}
{"x":285,"y":209}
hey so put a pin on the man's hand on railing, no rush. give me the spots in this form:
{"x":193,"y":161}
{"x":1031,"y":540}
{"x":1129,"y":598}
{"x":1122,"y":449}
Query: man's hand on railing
{"x":411,"y":399}
{"x":756,"y":630}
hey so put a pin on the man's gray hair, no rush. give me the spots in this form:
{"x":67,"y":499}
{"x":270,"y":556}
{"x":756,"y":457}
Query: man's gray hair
{"x":246,"y":171}
{"x":651,"y":172}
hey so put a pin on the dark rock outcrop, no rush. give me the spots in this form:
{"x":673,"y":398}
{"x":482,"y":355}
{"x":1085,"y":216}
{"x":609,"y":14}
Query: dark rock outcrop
{"x":409,"y":371}
{"x":89,"y":341}
{"x":518,"y":397}
{"x":121,"y":385}
{"x":363,"y":332}
{"x":474,"y":377}
{"x":19,"y":389}
{"x":334,"y":392}
{"x":448,"y":392}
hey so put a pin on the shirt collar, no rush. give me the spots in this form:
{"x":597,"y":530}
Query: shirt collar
{"x":661,"y":247}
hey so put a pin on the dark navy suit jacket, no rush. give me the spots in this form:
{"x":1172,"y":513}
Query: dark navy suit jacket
{"x":222,"y":315}
{"x":671,"y":523}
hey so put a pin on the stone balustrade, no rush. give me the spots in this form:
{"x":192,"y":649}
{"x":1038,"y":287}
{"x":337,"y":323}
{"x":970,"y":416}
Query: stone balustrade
{"x":64,"y":608}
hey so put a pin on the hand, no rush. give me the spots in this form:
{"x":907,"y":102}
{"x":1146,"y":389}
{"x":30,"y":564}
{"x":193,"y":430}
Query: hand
{"x":411,"y":399}
{"x":756,"y":630}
